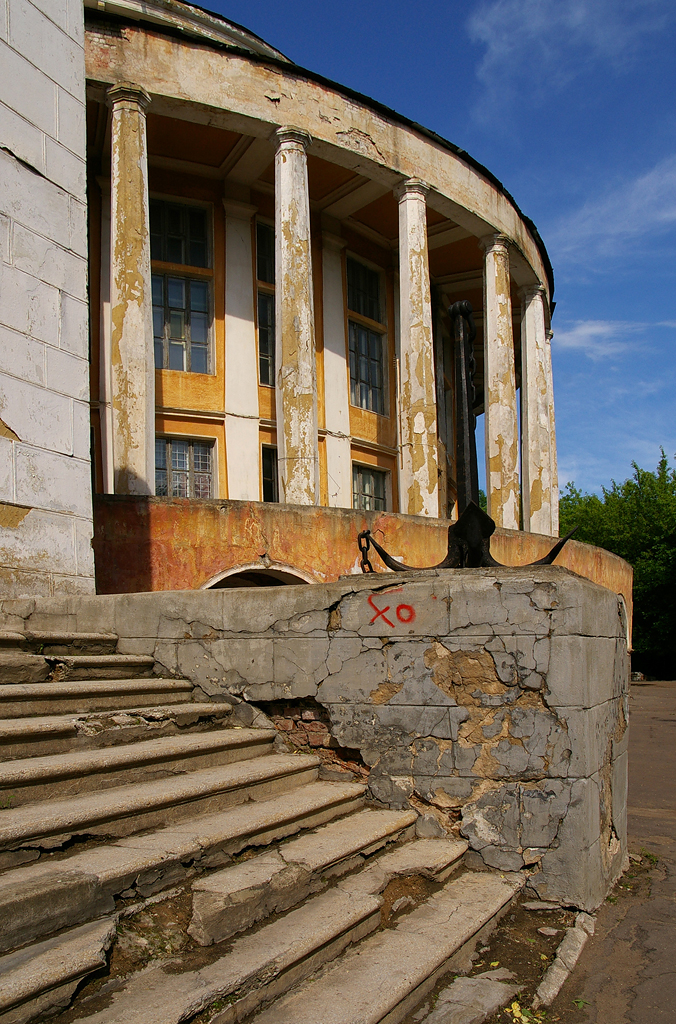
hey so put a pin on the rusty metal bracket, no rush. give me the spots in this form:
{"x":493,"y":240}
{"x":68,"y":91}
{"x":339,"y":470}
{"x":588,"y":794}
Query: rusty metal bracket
{"x":469,"y":546}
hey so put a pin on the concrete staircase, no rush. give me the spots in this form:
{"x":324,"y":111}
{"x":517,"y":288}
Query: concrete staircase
{"x":121,"y":792}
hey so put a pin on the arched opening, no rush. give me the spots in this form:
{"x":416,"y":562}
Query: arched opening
{"x":256,"y":576}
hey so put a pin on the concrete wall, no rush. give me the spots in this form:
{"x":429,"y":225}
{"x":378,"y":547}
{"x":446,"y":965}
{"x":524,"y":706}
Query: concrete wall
{"x":45,"y":487}
{"x":174,"y":544}
{"x":494,"y":699}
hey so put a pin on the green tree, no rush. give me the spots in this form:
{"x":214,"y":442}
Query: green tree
{"x":637,"y":520}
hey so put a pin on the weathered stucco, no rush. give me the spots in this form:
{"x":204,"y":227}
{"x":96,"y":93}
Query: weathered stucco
{"x":501,"y":420}
{"x":132,"y":359}
{"x":296,"y":389}
{"x":536,"y":457}
{"x":418,"y":475}
{"x":494,"y":699}
{"x":175,"y":544}
{"x":183,"y":76}
{"x":45,"y":472}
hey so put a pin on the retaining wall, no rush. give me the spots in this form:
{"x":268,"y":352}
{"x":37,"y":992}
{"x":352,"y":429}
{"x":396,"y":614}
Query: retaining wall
{"x":497,"y":698}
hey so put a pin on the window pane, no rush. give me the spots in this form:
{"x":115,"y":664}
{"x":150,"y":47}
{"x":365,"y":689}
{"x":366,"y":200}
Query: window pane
{"x":176,"y":292}
{"x":176,"y":356}
{"x":199,"y":296}
{"x":202,"y":486}
{"x":172,"y":296}
{"x":366,"y":368}
{"x":158,"y":290}
{"x":266,"y":338}
{"x":156,"y":230}
{"x":363,"y":290}
{"x":174,"y":250}
{"x":158,"y":322}
{"x":179,"y":233}
{"x":160,"y":453}
{"x":368,"y":488}
{"x":269,"y":474}
{"x":176,"y":325}
{"x":174,"y":219}
{"x":202,"y":456}
{"x":179,"y":454}
{"x":265,"y":253}
{"x":199,"y":359}
{"x":198,"y":254}
{"x":161,"y":482}
{"x":199,"y":329}
{"x":179,"y":485}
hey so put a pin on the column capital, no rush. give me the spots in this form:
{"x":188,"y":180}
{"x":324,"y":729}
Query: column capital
{"x":529,"y":292}
{"x":127,"y":92}
{"x":495,"y":243}
{"x":411,"y":187}
{"x":290,"y":137}
{"x":549,"y":335}
{"x":244,"y":211}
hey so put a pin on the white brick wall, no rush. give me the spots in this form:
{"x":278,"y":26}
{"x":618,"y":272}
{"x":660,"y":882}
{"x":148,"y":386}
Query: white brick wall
{"x":44,"y":368}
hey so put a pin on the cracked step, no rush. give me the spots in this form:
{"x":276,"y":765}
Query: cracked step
{"x":53,"y":734}
{"x":101,"y":666}
{"x":44,"y":698}
{"x":54,"y":775}
{"x":257,"y":965}
{"x":389,"y":973}
{"x":235,"y":898}
{"x":263,"y":965}
{"x":37,"y":899}
{"x":43,"y":977}
{"x":127,"y":809}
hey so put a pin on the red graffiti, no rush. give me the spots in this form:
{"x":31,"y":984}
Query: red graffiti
{"x":404,"y":612}
{"x":379,"y":612}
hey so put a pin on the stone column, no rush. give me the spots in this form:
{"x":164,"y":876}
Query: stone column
{"x":132,"y":357}
{"x":536,"y":481}
{"x":336,"y":387}
{"x":553,"y":458}
{"x":502,"y":426}
{"x":418,"y":475}
{"x":296,"y":384}
{"x":242,"y":446}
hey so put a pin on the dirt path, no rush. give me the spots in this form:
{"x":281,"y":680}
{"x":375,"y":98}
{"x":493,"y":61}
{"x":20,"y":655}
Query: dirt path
{"x":627,"y":972}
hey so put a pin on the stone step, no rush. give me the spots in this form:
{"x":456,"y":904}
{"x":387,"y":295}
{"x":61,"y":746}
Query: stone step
{"x":44,"y":698}
{"x":53,"y":734}
{"x":43,"y":977}
{"x":101,"y":666}
{"x":41,"y":898}
{"x":50,"y":641}
{"x":262,"y":965}
{"x":54,"y":775}
{"x":127,"y":809}
{"x":391,"y":972}
{"x":235,"y":898}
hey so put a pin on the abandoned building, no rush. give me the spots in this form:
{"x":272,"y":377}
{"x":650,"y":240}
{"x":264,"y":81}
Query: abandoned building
{"x":225,"y":352}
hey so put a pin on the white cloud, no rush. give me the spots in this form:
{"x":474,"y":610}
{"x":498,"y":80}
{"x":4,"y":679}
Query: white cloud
{"x":602,"y":227}
{"x":599,"y":339}
{"x":540,"y":45}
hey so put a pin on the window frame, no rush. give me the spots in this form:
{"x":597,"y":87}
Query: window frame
{"x":359,"y":467}
{"x":375,"y":327}
{"x":187,"y":273}
{"x":266,"y":446}
{"x":266,"y":288}
{"x":191,"y":441}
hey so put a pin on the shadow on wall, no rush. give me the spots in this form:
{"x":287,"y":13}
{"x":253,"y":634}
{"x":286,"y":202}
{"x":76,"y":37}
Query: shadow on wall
{"x":254,"y":577}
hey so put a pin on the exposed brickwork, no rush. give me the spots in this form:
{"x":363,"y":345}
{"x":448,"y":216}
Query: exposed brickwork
{"x":303,"y":726}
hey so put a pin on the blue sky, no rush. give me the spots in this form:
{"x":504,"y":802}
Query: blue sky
{"x":572,"y":104}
